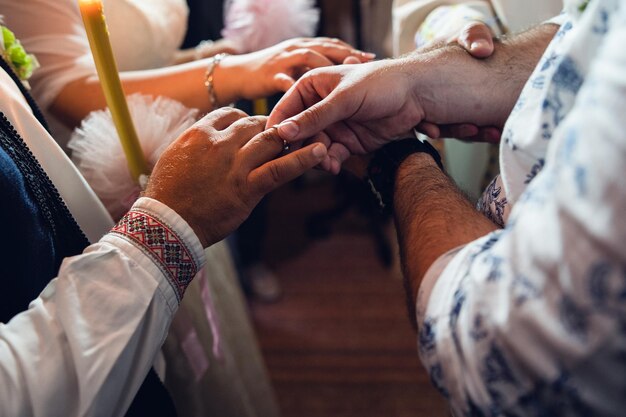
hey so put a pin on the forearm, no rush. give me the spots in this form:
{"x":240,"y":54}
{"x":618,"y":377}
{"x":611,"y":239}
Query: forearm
{"x":454,"y":87}
{"x":432,"y":217}
{"x":201,"y":52}
{"x":183,"y":83}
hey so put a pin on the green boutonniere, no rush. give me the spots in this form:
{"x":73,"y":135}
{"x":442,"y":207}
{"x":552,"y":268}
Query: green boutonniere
{"x":14,"y":54}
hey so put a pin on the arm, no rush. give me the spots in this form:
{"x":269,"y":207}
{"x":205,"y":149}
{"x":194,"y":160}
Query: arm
{"x":86,"y":343}
{"x":356,"y":109}
{"x":432,"y":217}
{"x":530,"y":317}
{"x":265,"y":72}
{"x":205,"y":51}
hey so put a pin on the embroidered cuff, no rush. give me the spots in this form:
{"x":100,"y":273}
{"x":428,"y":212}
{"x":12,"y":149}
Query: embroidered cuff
{"x":166,"y":238}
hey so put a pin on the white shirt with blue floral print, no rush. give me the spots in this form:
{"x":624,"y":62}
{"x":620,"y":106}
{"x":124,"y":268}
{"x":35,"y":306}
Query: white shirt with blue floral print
{"x":530,"y":320}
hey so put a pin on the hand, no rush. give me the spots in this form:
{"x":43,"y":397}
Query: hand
{"x":352,"y":109}
{"x":477,"y":39}
{"x":218,"y":170}
{"x":275,"y":69}
{"x":464,"y":131}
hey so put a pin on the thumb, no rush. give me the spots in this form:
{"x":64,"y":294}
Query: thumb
{"x":477,"y":39}
{"x":283,"y":81}
{"x":312,"y":120}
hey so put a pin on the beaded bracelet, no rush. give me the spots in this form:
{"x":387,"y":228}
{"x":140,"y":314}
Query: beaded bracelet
{"x":208,"y":80}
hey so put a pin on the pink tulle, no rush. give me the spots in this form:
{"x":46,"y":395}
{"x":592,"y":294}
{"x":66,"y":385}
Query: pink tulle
{"x":258,"y":24}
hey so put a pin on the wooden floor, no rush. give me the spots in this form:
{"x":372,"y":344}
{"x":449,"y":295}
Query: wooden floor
{"x":339,"y":342}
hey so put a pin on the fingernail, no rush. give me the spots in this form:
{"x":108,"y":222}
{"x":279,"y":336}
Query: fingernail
{"x":368,"y":55}
{"x":481,"y":43}
{"x":319,"y":151}
{"x":288,"y":129}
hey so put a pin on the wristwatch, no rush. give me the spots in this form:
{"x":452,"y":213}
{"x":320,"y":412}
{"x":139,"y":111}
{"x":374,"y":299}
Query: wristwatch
{"x":384,"y":166}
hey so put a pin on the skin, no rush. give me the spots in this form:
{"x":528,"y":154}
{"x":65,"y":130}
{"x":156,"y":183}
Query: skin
{"x":356,"y":109}
{"x":432,"y":217}
{"x":273,"y":70}
{"x":231,"y":155}
{"x":191,"y":54}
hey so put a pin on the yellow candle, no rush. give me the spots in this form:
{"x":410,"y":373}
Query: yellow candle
{"x":98,"y":34}
{"x":260,"y":107}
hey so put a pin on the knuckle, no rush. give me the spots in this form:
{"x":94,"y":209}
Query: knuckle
{"x":303,"y":162}
{"x":197,"y":132}
{"x":272,"y":137}
{"x":231,"y":111}
{"x":251,"y":123}
{"x":275,"y":172}
{"x":313,"y":116}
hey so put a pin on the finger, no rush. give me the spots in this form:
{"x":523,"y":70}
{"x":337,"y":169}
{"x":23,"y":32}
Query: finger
{"x":262,"y":148}
{"x":338,"y":154}
{"x":338,"y":45}
{"x":477,"y":39}
{"x":337,"y":54}
{"x":221,"y":118}
{"x":283,"y":81}
{"x":245,"y":128}
{"x":308,"y":58}
{"x":458,"y":131}
{"x":351,"y":60}
{"x":342,"y":132}
{"x":279,"y":171}
{"x":310,"y":121}
{"x":490,"y":134}
{"x":429,"y":129}
{"x":322,"y":138}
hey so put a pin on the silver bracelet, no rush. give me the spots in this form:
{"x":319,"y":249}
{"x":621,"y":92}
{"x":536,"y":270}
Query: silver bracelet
{"x":208,"y":80}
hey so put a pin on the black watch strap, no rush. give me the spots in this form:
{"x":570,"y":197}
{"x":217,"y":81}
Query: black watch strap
{"x":384,"y":165}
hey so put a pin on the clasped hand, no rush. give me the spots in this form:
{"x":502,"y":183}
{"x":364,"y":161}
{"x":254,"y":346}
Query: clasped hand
{"x":356,"y":109}
{"x":218,"y":170}
{"x":275,"y":69}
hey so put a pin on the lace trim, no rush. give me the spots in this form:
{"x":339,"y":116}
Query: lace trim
{"x":159,"y":241}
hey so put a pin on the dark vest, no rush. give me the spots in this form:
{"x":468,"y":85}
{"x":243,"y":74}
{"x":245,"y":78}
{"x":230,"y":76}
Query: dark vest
{"x":38,"y":232}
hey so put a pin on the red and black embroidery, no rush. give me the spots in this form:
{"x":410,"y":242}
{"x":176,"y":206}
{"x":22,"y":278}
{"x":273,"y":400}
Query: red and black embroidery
{"x":157,"y":240}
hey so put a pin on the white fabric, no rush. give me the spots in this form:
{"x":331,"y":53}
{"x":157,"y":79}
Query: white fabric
{"x":101,"y":321}
{"x":85,"y":344}
{"x":87,"y":209}
{"x":531,"y":319}
{"x":53,"y":31}
{"x":156,"y":33}
{"x":515,"y":15}
{"x":144,"y":34}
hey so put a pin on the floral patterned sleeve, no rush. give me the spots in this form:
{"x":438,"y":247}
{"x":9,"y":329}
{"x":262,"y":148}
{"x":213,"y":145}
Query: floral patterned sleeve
{"x":530,"y":320}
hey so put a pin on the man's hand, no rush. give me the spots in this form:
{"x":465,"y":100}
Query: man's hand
{"x":477,"y":39}
{"x":352,"y":109}
{"x":218,"y":170}
{"x":355,"y":109}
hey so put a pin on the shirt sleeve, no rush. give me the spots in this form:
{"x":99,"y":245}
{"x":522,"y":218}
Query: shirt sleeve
{"x":85,"y":345}
{"x":53,"y":31}
{"x":531,"y":319}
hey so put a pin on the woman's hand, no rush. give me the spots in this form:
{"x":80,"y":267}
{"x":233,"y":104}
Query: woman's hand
{"x":275,"y":69}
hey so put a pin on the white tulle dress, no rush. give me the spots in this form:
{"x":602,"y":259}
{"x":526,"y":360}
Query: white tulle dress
{"x":213,"y":364}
